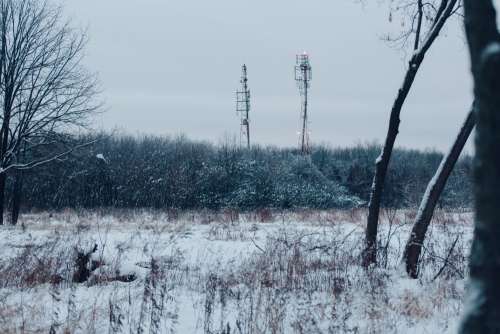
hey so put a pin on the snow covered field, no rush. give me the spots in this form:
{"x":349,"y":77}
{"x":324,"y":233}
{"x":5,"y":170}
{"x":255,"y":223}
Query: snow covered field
{"x":265,"y":272}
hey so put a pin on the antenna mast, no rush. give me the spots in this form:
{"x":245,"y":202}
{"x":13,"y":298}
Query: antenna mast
{"x":303,"y":76}
{"x":243,"y":107}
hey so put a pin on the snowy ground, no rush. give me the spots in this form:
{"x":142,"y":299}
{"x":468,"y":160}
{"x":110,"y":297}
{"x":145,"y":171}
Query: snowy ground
{"x":228,"y":273}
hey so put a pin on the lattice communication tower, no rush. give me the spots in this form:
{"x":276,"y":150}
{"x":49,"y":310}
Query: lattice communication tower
{"x":243,"y":108}
{"x":303,"y":77}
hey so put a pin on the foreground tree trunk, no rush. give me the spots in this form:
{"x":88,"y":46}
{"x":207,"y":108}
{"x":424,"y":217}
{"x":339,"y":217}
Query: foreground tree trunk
{"x":17,"y":196}
{"x":432,"y":194}
{"x":483,"y":305}
{"x":382,"y":164}
{"x":4,"y":13}
{"x":3,"y":179}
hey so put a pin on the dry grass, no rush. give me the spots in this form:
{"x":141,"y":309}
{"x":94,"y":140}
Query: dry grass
{"x":300,"y":278}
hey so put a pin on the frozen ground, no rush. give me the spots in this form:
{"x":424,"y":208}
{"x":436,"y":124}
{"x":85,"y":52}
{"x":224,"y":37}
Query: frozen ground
{"x":264,"y":272}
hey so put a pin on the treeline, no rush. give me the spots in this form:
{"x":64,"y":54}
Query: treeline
{"x":161,"y":172}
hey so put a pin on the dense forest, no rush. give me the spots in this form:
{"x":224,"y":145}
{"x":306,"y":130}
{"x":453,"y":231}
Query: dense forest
{"x":163,"y":172}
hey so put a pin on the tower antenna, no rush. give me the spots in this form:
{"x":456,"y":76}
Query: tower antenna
{"x":303,"y":77}
{"x":243,"y":107}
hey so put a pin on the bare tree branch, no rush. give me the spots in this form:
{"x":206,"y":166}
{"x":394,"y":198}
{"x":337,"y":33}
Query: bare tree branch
{"x":44,"y":88}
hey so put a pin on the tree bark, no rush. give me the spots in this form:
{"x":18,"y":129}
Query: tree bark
{"x":432,"y":194}
{"x":3,"y":179}
{"x":5,"y":11}
{"x":17,"y":196}
{"x":369,"y":255}
{"x":382,"y":164}
{"x":483,"y":303}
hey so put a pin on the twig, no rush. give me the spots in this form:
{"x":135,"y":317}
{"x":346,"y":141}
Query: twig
{"x":255,"y":244}
{"x":446,"y":259}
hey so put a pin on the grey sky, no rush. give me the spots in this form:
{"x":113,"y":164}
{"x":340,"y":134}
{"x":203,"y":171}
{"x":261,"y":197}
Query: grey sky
{"x":170,"y":67}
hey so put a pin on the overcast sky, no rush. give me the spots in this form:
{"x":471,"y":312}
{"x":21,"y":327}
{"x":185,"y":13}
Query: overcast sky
{"x":170,"y":67}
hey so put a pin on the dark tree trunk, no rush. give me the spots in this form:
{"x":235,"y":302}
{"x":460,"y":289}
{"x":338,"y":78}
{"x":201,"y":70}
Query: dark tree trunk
{"x":483,"y":304}
{"x":382,"y":164}
{"x":3,"y":32}
{"x":369,"y":255}
{"x":433,"y":192}
{"x":3,"y":178}
{"x":17,"y":196}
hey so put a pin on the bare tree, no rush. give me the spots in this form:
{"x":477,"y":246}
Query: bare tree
{"x":435,"y":16}
{"x":483,"y":304}
{"x":44,"y":89}
{"x":434,"y":190}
